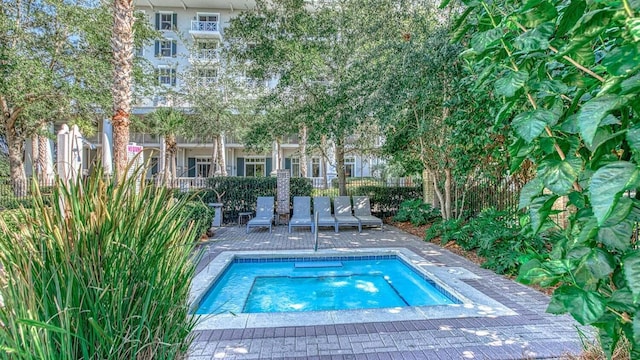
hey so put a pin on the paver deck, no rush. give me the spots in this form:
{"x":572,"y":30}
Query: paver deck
{"x":531,"y":334}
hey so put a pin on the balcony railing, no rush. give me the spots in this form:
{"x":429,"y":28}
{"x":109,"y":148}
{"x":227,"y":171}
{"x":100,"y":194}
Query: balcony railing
{"x":208,"y":55}
{"x":205,"y":29}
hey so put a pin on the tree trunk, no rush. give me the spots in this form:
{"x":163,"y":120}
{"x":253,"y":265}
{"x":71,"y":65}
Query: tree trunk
{"x":439,"y":200}
{"x":447,"y":193}
{"x":222,"y":159}
{"x":43,"y":160}
{"x":35,"y":156}
{"x":16,"y":164}
{"x":122,"y":45}
{"x":340,"y":170}
{"x":427,"y":188}
{"x":214,"y":157}
{"x":170,"y":160}
{"x":303,"y":151}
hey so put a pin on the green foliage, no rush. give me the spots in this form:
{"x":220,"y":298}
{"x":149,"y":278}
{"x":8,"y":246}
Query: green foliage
{"x":569,"y":77}
{"x":416,"y":212}
{"x":12,"y":219}
{"x":239,"y":194}
{"x":446,"y":230}
{"x":198,"y":216}
{"x":4,"y":165}
{"x":102,"y":273}
{"x":495,"y":235}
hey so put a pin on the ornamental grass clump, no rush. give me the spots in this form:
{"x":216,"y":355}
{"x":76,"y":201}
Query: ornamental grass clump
{"x":102,"y":272}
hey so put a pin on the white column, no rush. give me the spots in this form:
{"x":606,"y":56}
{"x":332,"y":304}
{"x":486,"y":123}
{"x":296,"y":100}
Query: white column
{"x":107,"y":151}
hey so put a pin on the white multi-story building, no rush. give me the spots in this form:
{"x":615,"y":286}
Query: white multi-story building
{"x":192,"y":31}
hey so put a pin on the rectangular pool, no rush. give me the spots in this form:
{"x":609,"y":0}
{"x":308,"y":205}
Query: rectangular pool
{"x":275,"y":285}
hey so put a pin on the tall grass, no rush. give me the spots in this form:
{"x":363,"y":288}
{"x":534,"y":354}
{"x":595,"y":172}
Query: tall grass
{"x":103,"y":272}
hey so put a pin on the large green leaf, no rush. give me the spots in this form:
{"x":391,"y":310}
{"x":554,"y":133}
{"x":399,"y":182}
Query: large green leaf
{"x":607,"y":184}
{"x":529,"y":191}
{"x":633,"y":137}
{"x":633,"y":24}
{"x":586,"y":306}
{"x":536,"y":39}
{"x":559,"y":175}
{"x":530,"y":124}
{"x":616,"y":236}
{"x":511,"y":82}
{"x":570,"y":16}
{"x":483,"y":40}
{"x":592,"y":112}
{"x":631,"y":268}
{"x":622,"y":300}
{"x":540,"y":209}
{"x":599,"y":263}
{"x":622,"y":60}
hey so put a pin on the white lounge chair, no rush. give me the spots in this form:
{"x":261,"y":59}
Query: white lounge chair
{"x":362,"y":211}
{"x":343,"y":214}
{"x":301,"y":212}
{"x":322,"y":206}
{"x":264,"y":213}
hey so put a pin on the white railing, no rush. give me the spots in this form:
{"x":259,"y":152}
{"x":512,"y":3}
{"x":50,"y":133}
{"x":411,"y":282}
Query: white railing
{"x":205,"y":55}
{"x":207,"y":82}
{"x":204,"y":25}
{"x":318,"y":182}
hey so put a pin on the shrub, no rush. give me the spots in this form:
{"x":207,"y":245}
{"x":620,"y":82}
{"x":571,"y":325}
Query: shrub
{"x":198,"y":215}
{"x":241,"y":193}
{"x":102,"y":273}
{"x":498,"y":236}
{"x":416,"y":212}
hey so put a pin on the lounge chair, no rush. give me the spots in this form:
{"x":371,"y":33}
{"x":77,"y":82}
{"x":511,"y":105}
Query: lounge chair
{"x":264,"y":213}
{"x":344,"y":217}
{"x":322,"y":206}
{"x":301,"y":212}
{"x":362,"y":211}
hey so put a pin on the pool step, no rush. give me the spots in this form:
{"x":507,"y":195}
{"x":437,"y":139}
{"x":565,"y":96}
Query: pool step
{"x":318,"y":264}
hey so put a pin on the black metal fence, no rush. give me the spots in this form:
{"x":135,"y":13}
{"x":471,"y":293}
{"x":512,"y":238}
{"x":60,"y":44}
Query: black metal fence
{"x":239,"y":194}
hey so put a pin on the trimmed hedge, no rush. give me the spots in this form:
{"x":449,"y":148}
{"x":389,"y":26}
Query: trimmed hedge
{"x":200,"y":214}
{"x":240,"y":194}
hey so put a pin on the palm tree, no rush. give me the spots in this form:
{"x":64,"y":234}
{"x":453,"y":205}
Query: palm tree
{"x":122,"y":45}
{"x":166,"y":122}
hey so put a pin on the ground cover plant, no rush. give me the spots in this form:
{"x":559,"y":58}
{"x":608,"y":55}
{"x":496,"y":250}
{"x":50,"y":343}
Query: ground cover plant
{"x":103,"y":272}
{"x":567,"y":73}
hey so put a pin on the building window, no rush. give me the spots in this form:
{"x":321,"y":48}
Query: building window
{"x":349,"y":166}
{"x":166,"y":48}
{"x":167,"y":76}
{"x":295,"y":167}
{"x":254,"y":167}
{"x":203,"y":166}
{"x":166,"y":21}
{"x":206,"y":22}
{"x":315,"y":167}
{"x":207,"y":76}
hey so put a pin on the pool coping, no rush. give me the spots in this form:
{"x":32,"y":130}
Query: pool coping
{"x":474,"y":302}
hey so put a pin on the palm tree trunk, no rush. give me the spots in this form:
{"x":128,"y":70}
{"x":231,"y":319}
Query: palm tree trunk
{"x":122,"y":45}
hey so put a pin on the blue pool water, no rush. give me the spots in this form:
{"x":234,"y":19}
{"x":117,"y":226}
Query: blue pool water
{"x":286,"y":285}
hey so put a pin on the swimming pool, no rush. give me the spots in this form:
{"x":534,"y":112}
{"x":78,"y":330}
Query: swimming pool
{"x":250,"y":285}
{"x":452,"y":280}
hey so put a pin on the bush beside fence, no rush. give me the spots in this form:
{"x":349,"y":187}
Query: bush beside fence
{"x":239,"y":194}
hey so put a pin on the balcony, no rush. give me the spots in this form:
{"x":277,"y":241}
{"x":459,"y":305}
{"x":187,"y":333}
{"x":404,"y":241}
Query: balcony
{"x":205,"y":56}
{"x":205,"y":29}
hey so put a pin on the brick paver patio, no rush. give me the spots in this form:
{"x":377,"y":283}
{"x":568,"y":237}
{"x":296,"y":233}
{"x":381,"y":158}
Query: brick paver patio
{"x":531,"y":334}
